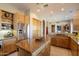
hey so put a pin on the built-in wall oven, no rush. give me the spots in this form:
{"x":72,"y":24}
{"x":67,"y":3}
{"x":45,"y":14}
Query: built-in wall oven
{"x":1,"y":44}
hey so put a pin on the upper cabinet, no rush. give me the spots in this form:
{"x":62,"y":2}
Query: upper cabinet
{"x":19,"y":18}
{"x":27,"y":20}
{"x":76,"y":21}
{"x":6,"y":20}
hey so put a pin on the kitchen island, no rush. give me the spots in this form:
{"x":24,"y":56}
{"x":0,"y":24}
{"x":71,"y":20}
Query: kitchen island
{"x":8,"y":46}
{"x":66,"y":40}
{"x":74,"y":45}
{"x":35,"y":47}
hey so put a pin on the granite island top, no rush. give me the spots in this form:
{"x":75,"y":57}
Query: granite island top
{"x":34,"y":47}
{"x":74,"y":38}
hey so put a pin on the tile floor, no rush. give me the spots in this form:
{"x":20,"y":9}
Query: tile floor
{"x":55,"y":51}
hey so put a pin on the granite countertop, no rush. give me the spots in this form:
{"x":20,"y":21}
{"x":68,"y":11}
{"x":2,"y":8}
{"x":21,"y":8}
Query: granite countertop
{"x":23,"y":44}
{"x":70,"y":35}
{"x":34,"y":47}
{"x":74,"y":38}
{"x":8,"y":38}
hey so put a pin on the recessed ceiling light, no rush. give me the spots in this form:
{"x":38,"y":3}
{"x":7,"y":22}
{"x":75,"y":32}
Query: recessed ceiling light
{"x":66,"y":16}
{"x":62,"y":9}
{"x":51,"y":12}
{"x":38,"y":10}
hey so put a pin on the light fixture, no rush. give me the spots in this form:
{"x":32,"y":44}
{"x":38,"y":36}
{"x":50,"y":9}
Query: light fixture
{"x":38,"y":10}
{"x":51,"y":12}
{"x":42,"y":4}
{"x":66,"y":16}
{"x":62,"y":9}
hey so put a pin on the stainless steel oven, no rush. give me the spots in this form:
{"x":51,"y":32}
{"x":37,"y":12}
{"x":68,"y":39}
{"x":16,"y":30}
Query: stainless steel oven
{"x":0,"y":44}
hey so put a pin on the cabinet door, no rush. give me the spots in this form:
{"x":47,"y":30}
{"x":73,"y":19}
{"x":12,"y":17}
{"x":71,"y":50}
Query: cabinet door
{"x":6,"y":49}
{"x":76,"y":24}
{"x":22,"y":52}
{"x":42,"y":53}
{"x":9,"y":46}
{"x":78,"y":50}
{"x":53,"y":41}
{"x":45,"y":51}
{"x":76,"y":21}
{"x":65,"y":42}
{"x":74,"y":48}
{"x":59,"y":41}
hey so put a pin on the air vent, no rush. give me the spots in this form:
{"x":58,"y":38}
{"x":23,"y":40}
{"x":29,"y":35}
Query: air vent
{"x":42,"y":4}
{"x":45,"y":5}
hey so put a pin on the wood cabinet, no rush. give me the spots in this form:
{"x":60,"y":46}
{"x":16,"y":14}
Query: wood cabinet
{"x":76,"y":21}
{"x":9,"y":46}
{"x":24,"y":49}
{"x":45,"y":51}
{"x":27,"y":20}
{"x":61,"y":41}
{"x":22,"y":52}
{"x":78,"y":50}
{"x":76,"y":24}
{"x":36,"y":27}
{"x":53,"y":41}
{"x":19,"y":18}
{"x":74,"y":48}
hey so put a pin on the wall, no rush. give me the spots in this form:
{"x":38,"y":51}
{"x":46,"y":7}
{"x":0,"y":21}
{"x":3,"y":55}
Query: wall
{"x":58,"y":23}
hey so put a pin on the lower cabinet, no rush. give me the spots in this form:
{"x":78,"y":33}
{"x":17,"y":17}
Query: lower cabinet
{"x":22,"y":52}
{"x":78,"y":50}
{"x":74,"y":48}
{"x":45,"y":51}
{"x":53,"y":41}
{"x":61,"y":41}
{"x":66,"y":42}
{"x":9,"y":46}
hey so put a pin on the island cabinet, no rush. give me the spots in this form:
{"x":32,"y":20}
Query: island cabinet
{"x":22,"y":52}
{"x":9,"y":46}
{"x":36,"y":49}
{"x":53,"y":41}
{"x":78,"y":50}
{"x":45,"y":51}
{"x":74,"y":48}
{"x":61,"y":41}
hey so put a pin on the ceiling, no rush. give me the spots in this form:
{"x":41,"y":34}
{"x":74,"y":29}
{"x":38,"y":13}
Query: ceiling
{"x":50,"y":11}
